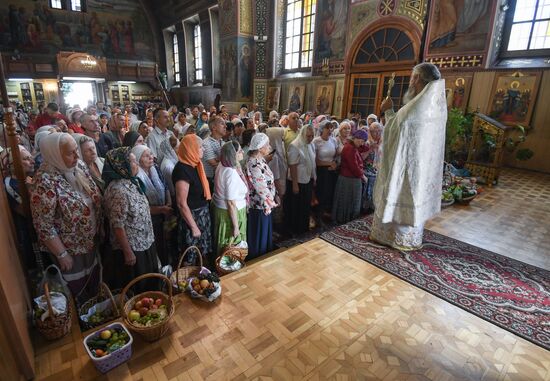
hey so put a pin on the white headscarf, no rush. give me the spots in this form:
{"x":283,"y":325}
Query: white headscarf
{"x":258,"y":141}
{"x":50,"y":147}
{"x":306,"y":149}
{"x":154,"y":186}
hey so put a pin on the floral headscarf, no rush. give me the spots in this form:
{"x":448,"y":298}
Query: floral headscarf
{"x":117,"y":167}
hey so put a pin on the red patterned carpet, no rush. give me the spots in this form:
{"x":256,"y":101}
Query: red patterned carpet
{"x":503,"y":291}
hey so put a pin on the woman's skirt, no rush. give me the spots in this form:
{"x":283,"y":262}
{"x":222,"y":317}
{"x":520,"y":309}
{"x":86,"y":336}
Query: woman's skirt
{"x":368,"y":190}
{"x":223,"y":228}
{"x":347,"y":199}
{"x":146,"y":262}
{"x":260,"y":233}
{"x":298,"y":208}
{"x":83,"y":278}
{"x":324,"y":190}
{"x":204,"y":242}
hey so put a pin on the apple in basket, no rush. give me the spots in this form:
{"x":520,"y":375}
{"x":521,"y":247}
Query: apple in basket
{"x":151,"y":312}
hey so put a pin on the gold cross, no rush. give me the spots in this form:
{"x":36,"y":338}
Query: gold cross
{"x":387,"y":7}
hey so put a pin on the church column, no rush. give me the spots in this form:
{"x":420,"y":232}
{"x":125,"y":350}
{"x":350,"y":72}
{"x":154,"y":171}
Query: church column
{"x":261,"y":32}
{"x":206,"y":48}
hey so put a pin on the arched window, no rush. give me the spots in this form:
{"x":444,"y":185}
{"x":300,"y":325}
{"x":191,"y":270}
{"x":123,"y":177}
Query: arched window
{"x":385,"y":45}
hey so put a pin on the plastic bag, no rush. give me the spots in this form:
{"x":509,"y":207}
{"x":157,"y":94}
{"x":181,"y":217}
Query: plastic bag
{"x":59,"y":304}
{"x":54,"y":278}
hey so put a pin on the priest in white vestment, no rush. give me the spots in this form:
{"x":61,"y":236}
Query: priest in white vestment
{"x":408,"y":187}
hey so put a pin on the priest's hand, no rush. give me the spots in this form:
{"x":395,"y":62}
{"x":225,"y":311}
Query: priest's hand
{"x":387,"y":104}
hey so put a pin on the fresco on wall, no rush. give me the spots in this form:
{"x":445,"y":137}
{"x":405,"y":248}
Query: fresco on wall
{"x":228,"y":18}
{"x":457,"y":89}
{"x":114,"y":29}
{"x":229,"y":61}
{"x":459,"y":26}
{"x":331,"y":30}
{"x":246,"y":68}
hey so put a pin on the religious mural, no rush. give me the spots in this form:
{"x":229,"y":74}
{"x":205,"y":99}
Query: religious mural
{"x":273,"y":97}
{"x":457,"y":90}
{"x":228,"y":17}
{"x":324,"y":95}
{"x":109,"y":28}
{"x":296,"y":97}
{"x":246,"y":68}
{"x":331,"y":30}
{"x":459,"y":26}
{"x":229,"y":62}
{"x":513,"y":97}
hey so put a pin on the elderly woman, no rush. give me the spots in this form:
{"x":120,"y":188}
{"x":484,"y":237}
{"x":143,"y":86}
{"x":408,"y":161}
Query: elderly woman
{"x":158,"y":195}
{"x":127,"y":208}
{"x":15,"y":200}
{"x":88,"y":154}
{"x":347,"y":195}
{"x":66,"y":211}
{"x":132,"y":139}
{"x":371,"y":163}
{"x":230,"y":198}
{"x":343,"y":134}
{"x":181,"y":127}
{"x":302,"y":175}
{"x":263,"y":197}
{"x":192,"y":195}
{"x":326,"y":160}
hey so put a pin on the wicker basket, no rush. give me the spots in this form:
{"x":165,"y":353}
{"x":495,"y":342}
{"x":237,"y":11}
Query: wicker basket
{"x":103,"y":294}
{"x":54,"y":326}
{"x":154,"y":332}
{"x":112,"y":360}
{"x":235,"y":255}
{"x":185,"y":272}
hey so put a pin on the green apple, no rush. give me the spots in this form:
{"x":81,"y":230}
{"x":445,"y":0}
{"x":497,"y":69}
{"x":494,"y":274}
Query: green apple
{"x":133,"y":315}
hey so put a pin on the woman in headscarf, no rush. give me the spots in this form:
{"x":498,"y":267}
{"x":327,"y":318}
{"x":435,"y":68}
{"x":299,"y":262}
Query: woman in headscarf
{"x":348,"y":191}
{"x":343,"y":134}
{"x":12,"y":186}
{"x":132,"y":139}
{"x":192,"y":195}
{"x":160,"y":202}
{"x":66,"y":211}
{"x":230,"y":196}
{"x":326,"y":148}
{"x":302,"y":175}
{"x":203,"y":119}
{"x":88,"y":154}
{"x":371,"y":163}
{"x":263,"y":197}
{"x":127,"y":209}
{"x":317,"y":122}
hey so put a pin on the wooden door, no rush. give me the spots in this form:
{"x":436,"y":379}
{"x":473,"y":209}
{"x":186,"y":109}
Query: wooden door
{"x":16,"y":349}
{"x":368,"y":90}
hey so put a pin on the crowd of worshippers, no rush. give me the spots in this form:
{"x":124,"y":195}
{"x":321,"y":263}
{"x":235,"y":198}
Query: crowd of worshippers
{"x":114,"y":197}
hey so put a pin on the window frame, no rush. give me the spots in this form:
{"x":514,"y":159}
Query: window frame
{"x":176,"y":58}
{"x":313,"y":15}
{"x":67,"y":5}
{"x":197,"y":53}
{"x":508,"y":24}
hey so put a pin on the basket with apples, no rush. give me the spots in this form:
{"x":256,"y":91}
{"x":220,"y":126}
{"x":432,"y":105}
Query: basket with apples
{"x":185,"y":271}
{"x":205,"y":286}
{"x":148,"y":313}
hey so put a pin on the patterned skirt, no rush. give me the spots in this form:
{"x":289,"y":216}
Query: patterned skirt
{"x":347,"y":199}
{"x":204,"y":242}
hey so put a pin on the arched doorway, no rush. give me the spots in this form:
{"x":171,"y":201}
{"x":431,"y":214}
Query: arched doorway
{"x":384,"y":48}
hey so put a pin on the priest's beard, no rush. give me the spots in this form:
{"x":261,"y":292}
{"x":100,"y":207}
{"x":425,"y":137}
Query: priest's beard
{"x":409,"y":95}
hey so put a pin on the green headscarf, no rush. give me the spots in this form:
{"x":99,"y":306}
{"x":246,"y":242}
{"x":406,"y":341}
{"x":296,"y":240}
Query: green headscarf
{"x":117,"y":167}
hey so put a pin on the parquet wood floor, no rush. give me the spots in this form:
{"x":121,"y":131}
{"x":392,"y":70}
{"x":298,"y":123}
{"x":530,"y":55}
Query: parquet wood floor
{"x":314,"y":312}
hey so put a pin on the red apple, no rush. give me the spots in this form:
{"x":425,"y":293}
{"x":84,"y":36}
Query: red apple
{"x":158,"y":302}
{"x":154,"y":307}
{"x":145,"y":302}
{"x":143,"y":311}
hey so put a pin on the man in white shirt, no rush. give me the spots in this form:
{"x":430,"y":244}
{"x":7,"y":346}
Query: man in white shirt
{"x":159,"y":133}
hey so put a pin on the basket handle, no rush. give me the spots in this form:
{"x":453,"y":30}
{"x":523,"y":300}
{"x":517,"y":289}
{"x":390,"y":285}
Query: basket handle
{"x":141,"y":277}
{"x":48,"y":300}
{"x":104,"y":288}
{"x":181,"y":261}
